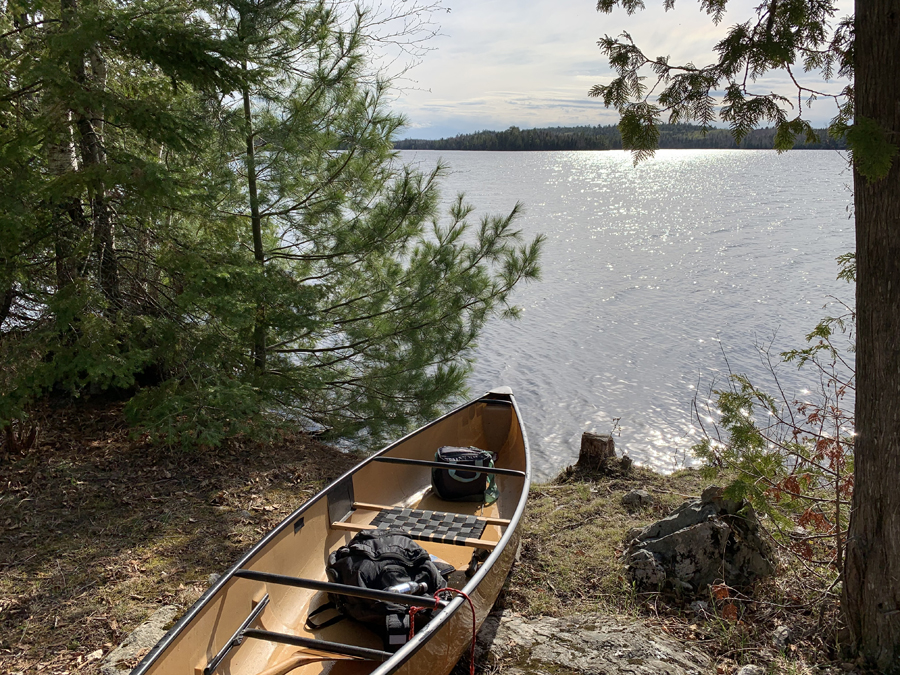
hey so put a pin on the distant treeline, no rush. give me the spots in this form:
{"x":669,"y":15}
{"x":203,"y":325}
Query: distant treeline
{"x":672,"y":136}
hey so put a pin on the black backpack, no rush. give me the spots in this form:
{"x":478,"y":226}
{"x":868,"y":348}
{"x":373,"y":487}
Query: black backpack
{"x":379,"y":559}
{"x":464,"y":486}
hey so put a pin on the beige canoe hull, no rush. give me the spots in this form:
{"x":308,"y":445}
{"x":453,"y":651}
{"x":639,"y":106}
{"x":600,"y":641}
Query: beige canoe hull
{"x":300,"y":545}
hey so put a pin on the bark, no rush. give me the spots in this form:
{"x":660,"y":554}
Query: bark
{"x":871,"y":593}
{"x":68,"y":212}
{"x":93,"y":157}
{"x":62,"y":159}
{"x":6,"y":304}
{"x":259,"y":330}
{"x":596,"y":450}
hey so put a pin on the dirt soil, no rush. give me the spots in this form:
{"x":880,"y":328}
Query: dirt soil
{"x":98,"y":530}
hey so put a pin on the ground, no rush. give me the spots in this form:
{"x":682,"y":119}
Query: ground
{"x":99,"y":529}
{"x":575,"y":529}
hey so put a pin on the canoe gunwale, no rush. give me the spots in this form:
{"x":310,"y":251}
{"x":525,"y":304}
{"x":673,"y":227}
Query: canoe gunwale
{"x":456,"y":467}
{"x":420,"y":639}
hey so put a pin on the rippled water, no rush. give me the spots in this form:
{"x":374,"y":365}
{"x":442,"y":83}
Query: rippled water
{"x":645,"y":271}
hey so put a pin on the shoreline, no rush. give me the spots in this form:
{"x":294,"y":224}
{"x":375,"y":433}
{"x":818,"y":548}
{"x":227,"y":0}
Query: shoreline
{"x":102,"y":530}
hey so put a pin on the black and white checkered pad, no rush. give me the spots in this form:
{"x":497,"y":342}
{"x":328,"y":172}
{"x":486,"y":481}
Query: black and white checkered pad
{"x":449,"y":528}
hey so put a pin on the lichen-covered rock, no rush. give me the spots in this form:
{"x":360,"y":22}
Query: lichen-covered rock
{"x":637,"y":499}
{"x":752,"y":670}
{"x":782,"y":637}
{"x":645,"y":570}
{"x":121,"y":659}
{"x":704,"y":541}
{"x":588,"y":644}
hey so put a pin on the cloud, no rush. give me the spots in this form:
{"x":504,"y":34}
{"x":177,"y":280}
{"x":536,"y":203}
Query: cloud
{"x":531,"y":62}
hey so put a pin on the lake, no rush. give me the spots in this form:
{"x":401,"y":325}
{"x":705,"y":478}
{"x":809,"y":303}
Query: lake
{"x":656,"y":279}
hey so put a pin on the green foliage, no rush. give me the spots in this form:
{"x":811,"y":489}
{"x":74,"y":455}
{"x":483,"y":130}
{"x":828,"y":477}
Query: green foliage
{"x":205,"y":216}
{"x":791,"y":459}
{"x":872,"y":152}
{"x":782,"y":36}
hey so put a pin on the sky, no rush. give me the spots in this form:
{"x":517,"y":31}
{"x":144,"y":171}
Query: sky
{"x":530,"y":63}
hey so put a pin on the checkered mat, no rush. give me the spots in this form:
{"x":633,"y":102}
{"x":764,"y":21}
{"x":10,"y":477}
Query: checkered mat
{"x":449,"y":528}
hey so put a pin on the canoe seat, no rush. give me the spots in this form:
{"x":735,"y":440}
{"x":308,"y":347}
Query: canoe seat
{"x":438,"y":526}
{"x":446,"y":528}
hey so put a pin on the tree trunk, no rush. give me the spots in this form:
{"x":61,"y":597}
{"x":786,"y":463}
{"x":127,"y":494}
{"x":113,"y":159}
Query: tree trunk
{"x":596,"y":451}
{"x":69,"y":221}
{"x":259,"y":329}
{"x":871,"y":593}
{"x":93,"y":156}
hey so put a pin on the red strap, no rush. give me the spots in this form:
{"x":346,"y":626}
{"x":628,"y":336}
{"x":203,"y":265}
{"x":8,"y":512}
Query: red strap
{"x":415,"y":610}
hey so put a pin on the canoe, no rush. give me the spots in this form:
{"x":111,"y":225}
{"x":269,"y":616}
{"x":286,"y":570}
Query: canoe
{"x":252,"y":620}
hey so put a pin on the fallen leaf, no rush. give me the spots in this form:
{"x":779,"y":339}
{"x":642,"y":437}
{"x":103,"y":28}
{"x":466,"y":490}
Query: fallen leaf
{"x":729,"y":611}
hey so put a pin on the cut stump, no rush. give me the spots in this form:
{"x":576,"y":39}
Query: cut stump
{"x":596,"y":451}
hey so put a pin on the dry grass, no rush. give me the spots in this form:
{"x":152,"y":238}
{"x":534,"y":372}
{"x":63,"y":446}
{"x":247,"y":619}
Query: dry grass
{"x":97,"y":531}
{"x":574,"y":536}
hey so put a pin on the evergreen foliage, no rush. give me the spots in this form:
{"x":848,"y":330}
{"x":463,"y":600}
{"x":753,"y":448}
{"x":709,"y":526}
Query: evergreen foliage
{"x":782,"y":36}
{"x":203,"y":213}
{"x":671,"y":136}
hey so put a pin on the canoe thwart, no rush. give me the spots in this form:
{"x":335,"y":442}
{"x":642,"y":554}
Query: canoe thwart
{"x":363,"y":506}
{"x":474,"y":543}
{"x":339,"y":589}
{"x":322,"y":646}
{"x":237,"y":637}
{"x":456,"y":467}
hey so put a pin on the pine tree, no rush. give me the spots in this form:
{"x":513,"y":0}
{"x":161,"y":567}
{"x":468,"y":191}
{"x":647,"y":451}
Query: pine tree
{"x":341,"y":298}
{"x":204,"y":214}
{"x":95,"y":97}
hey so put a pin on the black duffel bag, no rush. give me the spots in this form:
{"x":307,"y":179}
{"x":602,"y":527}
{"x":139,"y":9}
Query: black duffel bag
{"x":462,"y":485}
{"x":380,"y":560}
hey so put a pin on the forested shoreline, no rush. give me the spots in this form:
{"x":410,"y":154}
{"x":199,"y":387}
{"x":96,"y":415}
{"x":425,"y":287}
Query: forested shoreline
{"x":671,"y":137}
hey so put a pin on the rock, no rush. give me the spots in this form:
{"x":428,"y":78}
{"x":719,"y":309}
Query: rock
{"x":633,"y":534}
{"x":95,"y":655}
{"x":645,"y":570}
{"x":752,"y":670}
{"x":700,"y":608}
{"x":782,"y":637}
{"x":704,"y":541}
{"x":637,"y":499}
{"x":121,"y":659}
{"x":213,"y":578}
{"x":588,"y":644}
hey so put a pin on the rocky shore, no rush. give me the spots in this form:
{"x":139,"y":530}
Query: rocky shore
{"x":91,"y":554}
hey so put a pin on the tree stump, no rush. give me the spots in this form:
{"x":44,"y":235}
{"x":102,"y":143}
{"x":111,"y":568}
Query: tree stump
{"x":596,"y":451}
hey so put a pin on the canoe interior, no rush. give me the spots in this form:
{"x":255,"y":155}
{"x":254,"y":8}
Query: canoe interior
{"x":300,"y":546}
